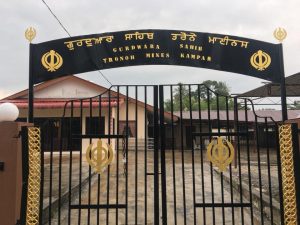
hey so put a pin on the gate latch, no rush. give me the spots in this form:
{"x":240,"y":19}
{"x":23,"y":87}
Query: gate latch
{"x":1,"y":166}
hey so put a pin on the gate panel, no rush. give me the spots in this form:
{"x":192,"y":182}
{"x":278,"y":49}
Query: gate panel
{"x":182,"y":154}
{"x":75,"y":190}
{"x":198,"y":189}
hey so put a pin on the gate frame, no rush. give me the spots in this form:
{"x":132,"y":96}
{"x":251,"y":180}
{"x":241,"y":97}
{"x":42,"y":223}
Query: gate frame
{"x":159,"y":134}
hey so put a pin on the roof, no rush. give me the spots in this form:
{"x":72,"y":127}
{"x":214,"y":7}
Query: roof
{"x":21,"y":98}
{"x":60,"y":103}
{"x":275,"y":114}
{"x":41,"y":86}
{"x":273,"y":90}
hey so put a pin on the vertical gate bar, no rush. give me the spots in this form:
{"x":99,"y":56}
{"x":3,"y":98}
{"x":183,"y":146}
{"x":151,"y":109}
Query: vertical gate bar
{"x":230,"y":166}
{"x":211,"y":168}
{"x":59,"y":170}
{"x":51,"y":170}
{"x":90,"y":169}
{"x":269,"y":170}
{"x":201,"y":155}
{"x":296,"y":158}
{"x":25,"y":171}
{"x":279,"y":173}
{"x":173,"y":155}
{"x":126,"y":182}
{"x":98,"y":176}
{"x":70,"y":146}
{"x":108,"y":167}
{"x":182,"y":153}
{"x":259,"y":171}
{"x":117,"y":171}
{"x":237,"y":126}
{"x":162,"y":155}
{"x":193,"y":156}
{"x":145,"y":153}
{"x":248,"y":159}
{"x":221,"y":174}
{"x":136,"y":154}
{"x":42,"y":136}
{"x":156,"y":162}
{"x":80,"y":164}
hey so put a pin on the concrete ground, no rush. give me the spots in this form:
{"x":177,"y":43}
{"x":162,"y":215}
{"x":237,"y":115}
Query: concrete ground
{"x":180,"y":198}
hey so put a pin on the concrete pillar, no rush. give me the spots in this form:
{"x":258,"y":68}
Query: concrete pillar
{"x":10,"y":172}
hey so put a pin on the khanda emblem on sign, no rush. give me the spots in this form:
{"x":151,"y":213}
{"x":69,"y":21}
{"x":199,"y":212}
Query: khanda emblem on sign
{"x":99,"y":157}
{"x":260,"y":60}
{"x":52,"y":61}
{"x":220,"y":154}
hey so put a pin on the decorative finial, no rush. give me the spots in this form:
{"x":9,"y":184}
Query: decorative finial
{"x":30,"y":34}
{"x":280,"y":34}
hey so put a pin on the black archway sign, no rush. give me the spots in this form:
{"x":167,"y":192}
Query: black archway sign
{"x":52,"y":59}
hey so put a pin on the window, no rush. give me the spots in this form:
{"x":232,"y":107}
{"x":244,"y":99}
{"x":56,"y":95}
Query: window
{"x":56,"y":133}
{"x":95,"y":125}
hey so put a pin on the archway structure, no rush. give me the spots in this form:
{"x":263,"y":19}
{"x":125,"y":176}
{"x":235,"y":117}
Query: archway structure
{"x":160,"y":133}
{"x":52,"y":59}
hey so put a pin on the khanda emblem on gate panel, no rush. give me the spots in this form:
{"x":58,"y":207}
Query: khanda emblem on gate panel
{"x":220,"y":154}
{"x":260,"y":60}
{"x":52,"y":61}
{"x":99,"y":157}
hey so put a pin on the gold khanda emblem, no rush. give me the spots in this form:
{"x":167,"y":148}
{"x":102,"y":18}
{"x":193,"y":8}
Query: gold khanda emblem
{"x":30,"y":34}
{"x":280,"y":34}
{"x":220,"y":154}
{"x":99,"y":157}
{"x":52,"y":61}
{"x":260,"y":60}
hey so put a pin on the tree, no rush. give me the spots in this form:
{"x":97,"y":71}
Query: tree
{"x":218,"y":87}
{"x":294,"y":106}
{"x":211,"y":93}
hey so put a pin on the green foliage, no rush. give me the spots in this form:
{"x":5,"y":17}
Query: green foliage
{"x":191,"y":99}
{"x":294,"y":106}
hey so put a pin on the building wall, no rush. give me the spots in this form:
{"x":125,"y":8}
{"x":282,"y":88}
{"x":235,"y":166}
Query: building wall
{"x":58,"y":113}
{"x":132,"y":117}
{"x":67,"y":89}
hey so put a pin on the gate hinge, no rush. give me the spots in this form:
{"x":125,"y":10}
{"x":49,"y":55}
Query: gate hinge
{"x":1,"y":166}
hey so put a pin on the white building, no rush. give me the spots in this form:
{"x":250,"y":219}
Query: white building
{"x":51,"y":97}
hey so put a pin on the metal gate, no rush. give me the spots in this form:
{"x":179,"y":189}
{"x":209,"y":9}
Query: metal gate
{"x":167,"y":154}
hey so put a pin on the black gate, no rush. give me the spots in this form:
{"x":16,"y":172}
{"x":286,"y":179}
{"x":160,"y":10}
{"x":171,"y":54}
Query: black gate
{"x":169,"y":154}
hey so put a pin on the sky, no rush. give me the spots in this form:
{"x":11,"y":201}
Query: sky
{"x":256,"y":19}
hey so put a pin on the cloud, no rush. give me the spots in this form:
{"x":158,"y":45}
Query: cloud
{"x":254,"y":19}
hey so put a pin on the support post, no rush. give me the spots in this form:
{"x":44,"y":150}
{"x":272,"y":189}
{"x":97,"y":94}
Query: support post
{"x":30,"y":88}
{"x":289,"y":159}
{"x":282,"y":85}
